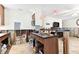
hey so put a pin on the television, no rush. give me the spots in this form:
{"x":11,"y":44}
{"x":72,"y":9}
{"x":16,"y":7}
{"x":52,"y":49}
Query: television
{"x":55,"y":24}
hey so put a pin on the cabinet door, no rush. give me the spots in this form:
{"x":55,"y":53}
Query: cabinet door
{"x":0,"y":20}
{"x":51,"y":46}
{"x":1,"y":15}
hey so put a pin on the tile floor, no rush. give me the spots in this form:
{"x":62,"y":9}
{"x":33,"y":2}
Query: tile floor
{"x":21,"y":49}
{"x":73,"y":45}
{"x":26,"y":48}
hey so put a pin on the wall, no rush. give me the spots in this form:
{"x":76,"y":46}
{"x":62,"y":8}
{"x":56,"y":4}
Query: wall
{"x":71,"y":23}
{"x":41,"y":19}
{"x":51,"y":20}
{"x":25,"y":17}
{"x":17,"y":15}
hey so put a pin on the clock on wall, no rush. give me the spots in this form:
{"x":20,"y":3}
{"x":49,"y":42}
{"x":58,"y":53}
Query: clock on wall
{"x":77,"y":22}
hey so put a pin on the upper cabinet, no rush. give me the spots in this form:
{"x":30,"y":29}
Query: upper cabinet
{"x":1,"y":15}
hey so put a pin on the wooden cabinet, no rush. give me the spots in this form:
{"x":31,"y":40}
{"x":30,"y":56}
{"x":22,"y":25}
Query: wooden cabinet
{"x":50,"y":43}
{"x":51,"y":46}
{"x":5,"y":39}
{"x":1,"y":15}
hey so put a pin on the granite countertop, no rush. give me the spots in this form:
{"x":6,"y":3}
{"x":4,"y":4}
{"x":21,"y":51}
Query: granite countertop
{"x":43,"y":35}
{"x":62,"y":30}
{"x":2,"y":34}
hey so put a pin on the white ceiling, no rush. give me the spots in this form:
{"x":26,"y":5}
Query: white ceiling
{"x":55,"y":10}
